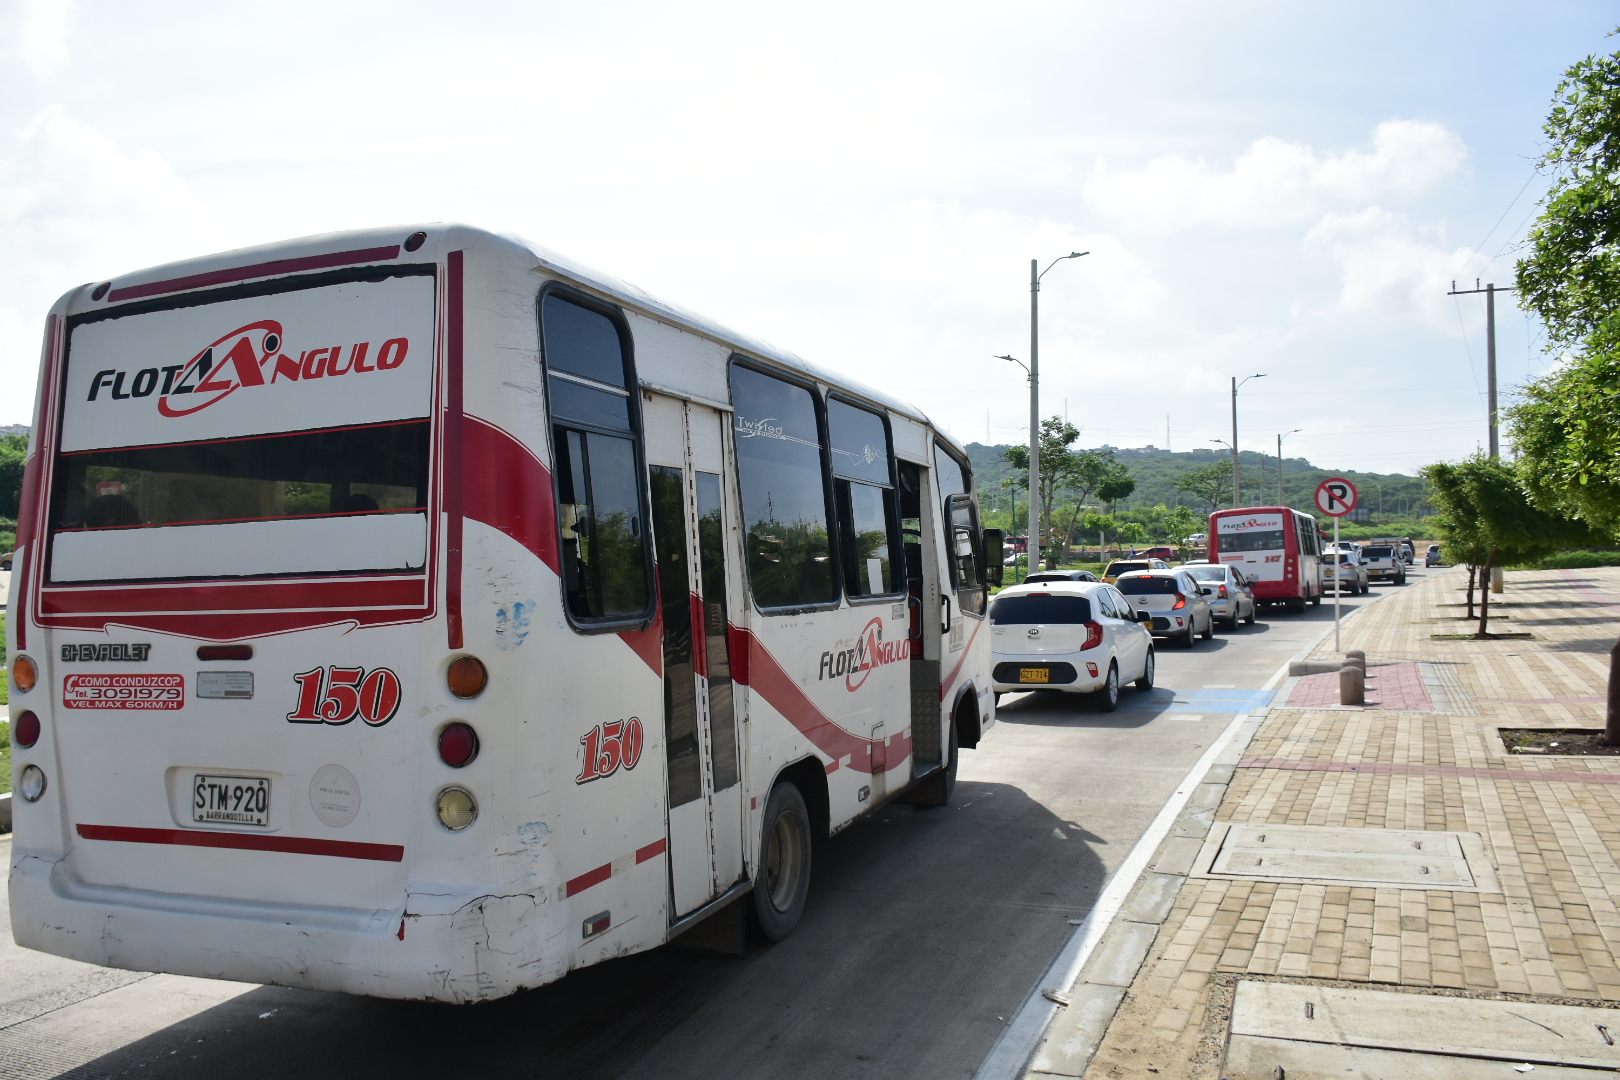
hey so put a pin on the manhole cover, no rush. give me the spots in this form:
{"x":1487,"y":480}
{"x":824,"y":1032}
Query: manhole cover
{"x":1304,"y":1032}
{"x":1325,"y":855}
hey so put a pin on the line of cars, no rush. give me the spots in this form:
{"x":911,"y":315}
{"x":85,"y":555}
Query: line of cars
{"x":1068,"y":631}
{"x":1065,"y":630}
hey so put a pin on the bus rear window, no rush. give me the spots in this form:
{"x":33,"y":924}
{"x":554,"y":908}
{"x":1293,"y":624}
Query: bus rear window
{"x":377,"y":471}
{"x":1253,"y":540}
{"x":1040,"y":608}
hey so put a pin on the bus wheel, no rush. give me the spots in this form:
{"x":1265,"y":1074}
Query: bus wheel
{"x":1316,"y":600}
{"x":783,"y":881}
{"x":1296,"y":605}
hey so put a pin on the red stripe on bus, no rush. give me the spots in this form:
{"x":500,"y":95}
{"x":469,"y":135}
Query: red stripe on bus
{"x":651,"y":851}
{"x":761,"y":673}
{"x":454,"y":480}
{"x":279,"y":597}
{"x":257,"y":270}
{"x":649,"y":643}
{"x":587,"y":879}
{"x":509,"y":489}
{"x":296,"y":845}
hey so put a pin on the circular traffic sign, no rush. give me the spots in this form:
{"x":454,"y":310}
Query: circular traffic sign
{"x":1336,"y":496}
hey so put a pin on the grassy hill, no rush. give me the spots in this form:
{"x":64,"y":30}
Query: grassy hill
{"x":1156,"y":471}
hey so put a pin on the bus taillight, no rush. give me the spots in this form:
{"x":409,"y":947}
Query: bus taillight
{"x":458,"y":745}
{"x":24,"y":674}
{"x":456,"y":809}
{"x":224,"y":652}
{"x":25,"y":732}
{"x":467,"y":676}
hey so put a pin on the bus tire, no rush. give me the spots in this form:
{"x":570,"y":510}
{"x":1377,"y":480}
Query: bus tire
{"x":938,"y":789}
{"x":1296,"y":605}
{"x":1316,"y":600}
{"x":782,"y":883}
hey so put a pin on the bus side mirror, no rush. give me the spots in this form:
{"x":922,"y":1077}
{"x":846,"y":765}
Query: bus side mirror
{"x":993,"y":541}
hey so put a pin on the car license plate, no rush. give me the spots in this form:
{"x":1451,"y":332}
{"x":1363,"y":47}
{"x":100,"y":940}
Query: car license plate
{"x":1034,"y":674}
{"x":230,"y":800}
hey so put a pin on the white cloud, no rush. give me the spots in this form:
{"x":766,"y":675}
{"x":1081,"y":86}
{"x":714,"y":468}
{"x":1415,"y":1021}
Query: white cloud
{"x":37,"y":32}
{"x":1278,"y":183}
{"x":1386,"y":269}
{"x":73,"y":206}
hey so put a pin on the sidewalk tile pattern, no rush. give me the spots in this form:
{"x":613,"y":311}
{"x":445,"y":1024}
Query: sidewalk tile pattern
{"x":1551,"y":826}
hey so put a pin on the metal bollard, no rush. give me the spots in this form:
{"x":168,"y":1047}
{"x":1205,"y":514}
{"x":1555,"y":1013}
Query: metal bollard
{"x":1352,"y":685}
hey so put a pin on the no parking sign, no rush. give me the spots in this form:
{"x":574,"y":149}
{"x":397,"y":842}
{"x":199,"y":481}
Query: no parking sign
{"x":1336,"y":496}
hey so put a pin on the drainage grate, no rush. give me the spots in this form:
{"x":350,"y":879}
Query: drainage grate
{"x":1326,"y":855}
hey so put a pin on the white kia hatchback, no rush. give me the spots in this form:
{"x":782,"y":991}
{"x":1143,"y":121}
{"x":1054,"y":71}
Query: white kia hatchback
{"x":1078,"y":637}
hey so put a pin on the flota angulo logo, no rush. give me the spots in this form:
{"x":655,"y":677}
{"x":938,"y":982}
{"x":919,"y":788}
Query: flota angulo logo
{"x":247,"y":357}
{"x":869,"y":651}
{"x":1232,"y":525}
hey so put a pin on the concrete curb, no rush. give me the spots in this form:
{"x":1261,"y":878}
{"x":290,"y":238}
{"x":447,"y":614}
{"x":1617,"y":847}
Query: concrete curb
{"x":1064,"y":1017}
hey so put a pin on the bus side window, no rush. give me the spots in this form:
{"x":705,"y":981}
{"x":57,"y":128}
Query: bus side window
{"x":599,"y":488}
{"x":863,"y":487}
{"x":781,"y":472}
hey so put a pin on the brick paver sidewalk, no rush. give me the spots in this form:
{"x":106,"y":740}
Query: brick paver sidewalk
{"x":1425,"y":755}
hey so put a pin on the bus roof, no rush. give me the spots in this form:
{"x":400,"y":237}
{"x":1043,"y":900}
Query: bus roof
{"x":368,"y":245}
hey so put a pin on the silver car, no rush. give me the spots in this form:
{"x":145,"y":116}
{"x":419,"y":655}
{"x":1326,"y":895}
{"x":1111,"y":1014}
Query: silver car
{"x":1233,"y":600}
{"x":1346,"y":566}
{"x":1177,"y":604}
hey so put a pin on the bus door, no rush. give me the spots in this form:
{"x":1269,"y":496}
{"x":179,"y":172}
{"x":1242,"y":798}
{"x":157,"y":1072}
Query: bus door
{"x":919,"y":526}
{"x":685,"y":453}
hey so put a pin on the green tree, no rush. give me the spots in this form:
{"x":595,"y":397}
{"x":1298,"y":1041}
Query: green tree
{"x":1210,"y":485}
{"x":1564,"y":427}
{"x":1486,"y":520}
{"x":13,"y":453}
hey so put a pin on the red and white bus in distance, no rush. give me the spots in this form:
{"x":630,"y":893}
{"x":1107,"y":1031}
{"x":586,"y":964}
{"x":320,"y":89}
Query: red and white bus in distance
{"x":1277,"y":548}
{"x":416,"y":613}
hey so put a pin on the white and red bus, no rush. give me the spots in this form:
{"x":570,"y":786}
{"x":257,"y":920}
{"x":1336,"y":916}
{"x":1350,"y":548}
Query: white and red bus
{"x":1277,"y":548}
{"x":416,"y":613}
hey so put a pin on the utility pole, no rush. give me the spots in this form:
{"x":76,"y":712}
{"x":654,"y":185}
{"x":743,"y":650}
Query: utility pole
{"x":1280,"y":438}
{"x":1035,"y":275}
{"x":1237,"y":473}
{"x":1490,"y":290}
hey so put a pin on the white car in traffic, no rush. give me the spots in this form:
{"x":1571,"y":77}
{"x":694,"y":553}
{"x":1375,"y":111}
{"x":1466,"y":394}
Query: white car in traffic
{"x":1172,"y":603}
{"x":1077,"y":637}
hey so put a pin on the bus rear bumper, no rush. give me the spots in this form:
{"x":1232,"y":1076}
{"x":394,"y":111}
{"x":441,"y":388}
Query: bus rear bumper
{"x":479,"y":950}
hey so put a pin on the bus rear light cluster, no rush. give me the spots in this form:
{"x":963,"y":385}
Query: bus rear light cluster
{"x":23,"y":674}
{"x":1094,"y":635}
{"x":31,"y":783}
{"x":224,"y":652}
{"x":456,"y":809}
{"x":467,"y":676}
{"x":458,"y":745}
{"x":25,"y":731}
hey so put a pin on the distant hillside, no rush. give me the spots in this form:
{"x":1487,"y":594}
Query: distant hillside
{"x":1156,"y":471}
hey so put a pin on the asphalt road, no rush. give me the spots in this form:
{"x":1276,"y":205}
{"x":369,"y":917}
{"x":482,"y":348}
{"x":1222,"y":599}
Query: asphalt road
{"x":925,"y":930}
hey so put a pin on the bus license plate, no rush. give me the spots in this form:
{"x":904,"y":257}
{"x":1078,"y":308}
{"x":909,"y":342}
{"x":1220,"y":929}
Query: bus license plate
{"x":230,"y":800}
{"x":1034,"y":674}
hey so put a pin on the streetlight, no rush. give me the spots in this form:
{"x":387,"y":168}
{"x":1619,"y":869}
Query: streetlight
{"x":1237,"y":483}
{"x":1280,"y":438}
{"x":1035,"y":275}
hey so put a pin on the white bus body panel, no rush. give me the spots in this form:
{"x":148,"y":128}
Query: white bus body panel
{"x":498,"y":907}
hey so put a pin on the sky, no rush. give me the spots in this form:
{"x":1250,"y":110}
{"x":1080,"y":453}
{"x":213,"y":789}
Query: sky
{"x":1264,"y":188}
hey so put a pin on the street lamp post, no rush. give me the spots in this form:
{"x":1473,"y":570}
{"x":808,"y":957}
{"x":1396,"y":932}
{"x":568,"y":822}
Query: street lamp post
{"x":1280,"y":438}
{"x":1035,"y":275}
{"x":1237,"y":481}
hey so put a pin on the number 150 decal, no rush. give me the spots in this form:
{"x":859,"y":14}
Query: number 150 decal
{"x":607,"y":746}
{"x":337,"y":695}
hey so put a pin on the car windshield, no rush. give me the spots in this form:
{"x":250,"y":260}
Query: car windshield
{"x":1148,"y":585}
{"x":1043,"y":608}
{"x":1378,"y":552}
{"x":1207,"y":573}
